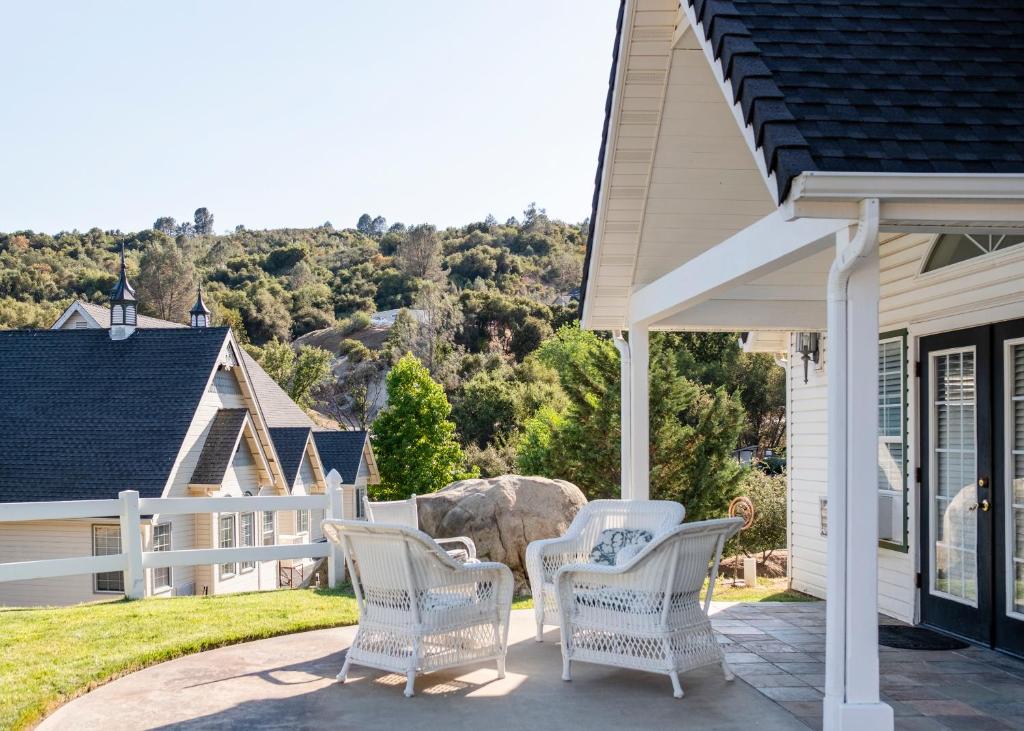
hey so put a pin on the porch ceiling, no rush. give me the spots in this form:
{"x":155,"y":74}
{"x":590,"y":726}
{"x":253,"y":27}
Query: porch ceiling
{"x":678,"y":174}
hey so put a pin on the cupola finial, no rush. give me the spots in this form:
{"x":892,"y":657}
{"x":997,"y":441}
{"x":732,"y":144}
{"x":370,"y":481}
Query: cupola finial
{"x":123,"y":304}
{"x":199,"y":315}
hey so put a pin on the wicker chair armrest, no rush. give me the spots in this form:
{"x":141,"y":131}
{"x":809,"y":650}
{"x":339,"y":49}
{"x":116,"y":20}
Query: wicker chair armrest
{"x":464,"y":541}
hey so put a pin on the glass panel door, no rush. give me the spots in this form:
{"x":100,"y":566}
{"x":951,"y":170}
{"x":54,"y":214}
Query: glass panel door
{"x":956,"y":460}
{"x":1008,"y":491}
{"x":954,"y":486}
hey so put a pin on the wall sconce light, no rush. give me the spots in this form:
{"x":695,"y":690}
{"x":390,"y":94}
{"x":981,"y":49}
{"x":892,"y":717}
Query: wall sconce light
{"x":807,"y":346}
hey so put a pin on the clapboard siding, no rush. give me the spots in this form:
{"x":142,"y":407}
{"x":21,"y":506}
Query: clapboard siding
{"x":36,"y":540}
{"x":919,"y":303}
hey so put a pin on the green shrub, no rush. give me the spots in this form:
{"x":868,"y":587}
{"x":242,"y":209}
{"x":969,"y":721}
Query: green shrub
{"x":768,"y":532}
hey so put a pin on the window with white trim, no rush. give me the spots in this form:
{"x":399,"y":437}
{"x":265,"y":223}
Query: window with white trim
{"x":162,"y":542}
{"x":950,"y":249}
{"x":892,"y":440}
{"x":269,"y":534}
{"x":247,"y":536}
{"x":106,"y":541}
{"x":227,"y":539}
{"x":302,"y":521}
{"x":360,"y":502}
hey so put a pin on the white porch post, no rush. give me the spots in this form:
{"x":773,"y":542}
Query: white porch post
{"x":625,"y":420}
{"x":640,"y":420}
{"x":851,"y":670}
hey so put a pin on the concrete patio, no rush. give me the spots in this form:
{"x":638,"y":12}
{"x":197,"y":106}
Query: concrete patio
{"x":776,"y":650}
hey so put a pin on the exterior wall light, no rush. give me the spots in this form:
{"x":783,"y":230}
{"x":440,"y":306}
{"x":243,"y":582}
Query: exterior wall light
{"x":807,"y":345}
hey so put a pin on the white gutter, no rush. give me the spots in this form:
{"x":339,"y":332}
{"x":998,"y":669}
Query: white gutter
{"x":838,"y":492}
{"x":625,"y":411}
{"x":831,"y":186}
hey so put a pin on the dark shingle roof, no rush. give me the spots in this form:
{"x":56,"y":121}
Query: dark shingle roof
{"x":83,"y":416}
{"x":342,"y":451}
{"x":903,"y":86}
{"x":218,"y":447}
{"x":290,"y":443}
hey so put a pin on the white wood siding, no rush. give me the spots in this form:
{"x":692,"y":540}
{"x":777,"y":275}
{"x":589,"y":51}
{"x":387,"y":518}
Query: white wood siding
{"x":986,"y":289}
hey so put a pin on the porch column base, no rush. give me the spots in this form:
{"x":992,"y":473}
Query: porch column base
{"x":842,"y":716}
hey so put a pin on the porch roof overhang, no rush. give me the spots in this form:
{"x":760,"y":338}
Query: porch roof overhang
{"x":700,"y":145}
{"x":772,"y":275}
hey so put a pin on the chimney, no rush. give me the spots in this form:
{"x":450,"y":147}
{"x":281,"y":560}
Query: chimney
{"x":122,"y":305}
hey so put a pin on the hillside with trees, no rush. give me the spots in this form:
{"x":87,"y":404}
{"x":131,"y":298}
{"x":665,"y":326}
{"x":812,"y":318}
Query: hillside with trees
{"x":487,"y":310}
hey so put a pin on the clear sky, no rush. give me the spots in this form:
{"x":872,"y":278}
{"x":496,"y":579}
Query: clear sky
{"x":296,"y":113}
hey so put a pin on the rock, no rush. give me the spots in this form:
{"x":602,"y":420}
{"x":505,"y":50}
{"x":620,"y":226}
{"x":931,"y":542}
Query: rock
{"x":502,"y":515}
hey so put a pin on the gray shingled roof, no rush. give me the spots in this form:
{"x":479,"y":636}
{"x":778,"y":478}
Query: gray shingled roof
{"x":218,"y":447}
{"x":83,"y":416}
{"x":277,"y":406}
{"x":342,"y":451}
{"x":900,"y":86}
{"x":290,"y":443}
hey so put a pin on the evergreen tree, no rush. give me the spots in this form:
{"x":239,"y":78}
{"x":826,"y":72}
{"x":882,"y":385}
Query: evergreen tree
{"x":413,"y":438}
{"x":693,"y":429}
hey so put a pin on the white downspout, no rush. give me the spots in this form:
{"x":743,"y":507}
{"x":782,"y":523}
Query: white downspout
{"x":625,"y":412}
{"x":842,"y":711}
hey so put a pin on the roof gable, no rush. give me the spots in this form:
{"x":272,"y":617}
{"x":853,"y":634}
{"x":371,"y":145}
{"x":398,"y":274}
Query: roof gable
{"x":221,"y":441}
{"x":341,"y":451}
{"x":83,"y":416}
{"x":290,"y":444}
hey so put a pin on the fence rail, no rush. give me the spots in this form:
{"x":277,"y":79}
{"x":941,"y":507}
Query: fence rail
{"x":133,"y":560}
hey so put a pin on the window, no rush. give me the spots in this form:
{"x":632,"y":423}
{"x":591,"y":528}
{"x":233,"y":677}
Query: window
{"x":302,"y":521}
{"x":952,"y":249}
{"x":162,"y":542}
{"x":106,"y":541}
{"x":892,"y":441}
{"x":360,"y":502}
{"x":247,"y":536}
{"x":226,"y":536}
{"x":268,"y":528}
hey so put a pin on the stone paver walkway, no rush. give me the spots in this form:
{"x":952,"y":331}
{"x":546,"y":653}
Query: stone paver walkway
{"x":780,"y":650}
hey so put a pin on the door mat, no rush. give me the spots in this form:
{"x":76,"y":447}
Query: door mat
{"x":916,"y":638}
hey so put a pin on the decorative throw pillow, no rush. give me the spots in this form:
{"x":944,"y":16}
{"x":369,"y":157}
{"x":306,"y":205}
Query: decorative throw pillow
{"x":613,"y":540}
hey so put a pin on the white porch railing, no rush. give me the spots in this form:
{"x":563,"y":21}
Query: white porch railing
{"x":133,"y":561}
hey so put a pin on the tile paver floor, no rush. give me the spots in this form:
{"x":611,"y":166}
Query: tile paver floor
{"x":780,"y":650}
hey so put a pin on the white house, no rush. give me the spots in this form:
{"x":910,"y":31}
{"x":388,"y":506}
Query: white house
{"x":847,"y":184}
{"x":108,"y":400}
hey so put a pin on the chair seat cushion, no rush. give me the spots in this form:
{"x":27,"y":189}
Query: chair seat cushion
{"x":612,"y":541}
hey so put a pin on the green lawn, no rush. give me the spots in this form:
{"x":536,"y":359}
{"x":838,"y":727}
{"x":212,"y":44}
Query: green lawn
{"x":767,"y":590}
{"x":50,"y":655}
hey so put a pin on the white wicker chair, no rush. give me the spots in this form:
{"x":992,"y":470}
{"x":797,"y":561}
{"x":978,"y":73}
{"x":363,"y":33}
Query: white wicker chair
{"x":420,"y":610}
{"x":406,"y":512}
{"x":646,"y":614}
{"x":544,"y":558}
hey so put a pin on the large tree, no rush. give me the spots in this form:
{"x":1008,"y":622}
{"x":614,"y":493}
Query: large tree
{"x":694,"y":429}
{"x":203,"y":219}
{"x":419,"y":253}
{"x":167,"y":280}
{"x":297,"y":373}
{"x":413,"y":438}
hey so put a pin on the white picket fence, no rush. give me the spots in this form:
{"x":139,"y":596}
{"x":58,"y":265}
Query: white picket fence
{"x":133,"y":560}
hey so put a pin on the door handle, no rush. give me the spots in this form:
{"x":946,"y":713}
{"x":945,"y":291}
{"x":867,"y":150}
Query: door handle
{"x":985,"y":505}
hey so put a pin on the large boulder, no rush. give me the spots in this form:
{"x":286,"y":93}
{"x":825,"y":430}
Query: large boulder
{"x":502,"y":515}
